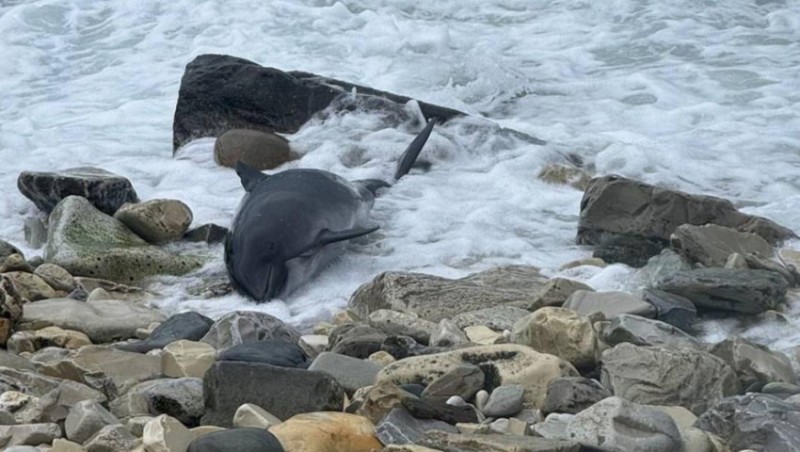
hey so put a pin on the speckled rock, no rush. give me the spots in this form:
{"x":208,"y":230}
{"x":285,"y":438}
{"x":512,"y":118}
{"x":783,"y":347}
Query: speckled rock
{"x":87,"y":242}
{"x":29,"y":434}
{"x":156,"y":220}
{"x":261,"y":150}
{"x":498,"y":318}
{"x":181,"y":398}
{"x":459,"y":442}
{"x":111,"y":438}
{"x":104,"y":189}
{"x":393,"y":323}
{"x":31,"y":286}
{"x":247,"y":326}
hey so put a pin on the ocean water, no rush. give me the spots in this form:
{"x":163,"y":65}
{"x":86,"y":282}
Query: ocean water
{"x":702,"y":96}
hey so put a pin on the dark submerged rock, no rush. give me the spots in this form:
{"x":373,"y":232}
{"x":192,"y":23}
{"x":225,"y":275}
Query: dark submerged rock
{"x":238,"y":439}
{"x":105,"y":190}
{"x":188,"y":325}
{"x":673,"y":309}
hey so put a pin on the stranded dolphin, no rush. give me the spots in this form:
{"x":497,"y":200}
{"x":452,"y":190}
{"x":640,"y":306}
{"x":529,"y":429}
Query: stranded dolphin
{"x":292,"y":224}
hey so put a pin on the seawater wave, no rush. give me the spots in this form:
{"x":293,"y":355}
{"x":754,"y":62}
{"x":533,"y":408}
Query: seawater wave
{"x":701,"y":96}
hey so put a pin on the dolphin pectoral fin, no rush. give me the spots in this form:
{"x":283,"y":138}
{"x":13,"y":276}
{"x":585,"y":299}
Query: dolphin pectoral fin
{"x":249,"y":175}
{"x":327,"y":236}
{"x":413,"y":150}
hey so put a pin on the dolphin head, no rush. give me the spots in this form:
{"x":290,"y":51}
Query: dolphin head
{"x":258,"y":270}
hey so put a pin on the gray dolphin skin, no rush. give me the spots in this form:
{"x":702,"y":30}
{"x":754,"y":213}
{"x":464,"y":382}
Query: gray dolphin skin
{"x":292,"y":224}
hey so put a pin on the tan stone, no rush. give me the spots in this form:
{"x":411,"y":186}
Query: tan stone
{"x":55,"y":336}
{"x":560,"y":332}
{"x":187,"y":359}
{"x":513,"y":363}
{"x":261,"y":150}
{"x":556,"y":173}
{"x":62,"y":445}
{"x":166,"y":434}
{"x":31,"y":286}
{"x":203,"y":430}
{"x":56,"y":276}
{"x":483,"y":335}
{"x":5,"y":330}
{"x":250,"y":415}
{"x":382,"y":358}
{"x":156,"y":220}
{"x":328,"y":431}
{"x":408,"y":448}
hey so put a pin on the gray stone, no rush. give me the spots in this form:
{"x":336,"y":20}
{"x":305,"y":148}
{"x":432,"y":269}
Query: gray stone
{"x":452,"y":442}
{"x":261,"y":150}
{"x":447,"y":334}
{"x":780,"y":390}
{"x":85,"y":419}
{"x":35,"y":232}
{"x":112,"y":438}
{"x":393,"y":323}
{"x":754,"y":421}
{"x":15,"y":262}
{"x":29,"y":434}
{"x":498,"y":318}
{"x":736,"y":261}
{"x":400,"y":427}
{"x":65,"y":393}
{"x":631,"y":250}
{"x":616,"y":425}
{"x":434,"y":298}
{"x":673,"y":309}
{"x":190,"y":326}
{"x":57,"y":277}
{"x":101,"y":320}
{"x":754,"y":364}
{"x":237,"y":439}
{"x":104,"y":189}
{"x":239,"y":327}
{"x":641,"y":331}
{"x":710,"y":244}
{"x":695,"y":381}
{"x":282,"y":391}
{"x":350,"y":373}
{"x":209,"y":233}
{"x":277,"y":352}
{"x":30,"y":286}
{"x":87,"y":242}
{"x":505,"y":400}
{"x":357,"y":340}
{"x":463,"y":381}
{"x":156,"y":220}
{"x":611,"y":304}
{"x":180,"y":398}
{"x":14,"y":361}
{"x":749,"y":291}
{"x":554,"y":426}
{"x":573,"y":394}
{"x":556,"y":292}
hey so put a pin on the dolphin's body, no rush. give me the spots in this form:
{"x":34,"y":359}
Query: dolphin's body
{"x":292,"y":224}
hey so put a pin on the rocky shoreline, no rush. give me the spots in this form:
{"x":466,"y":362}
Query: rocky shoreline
{"x":502,"y":360}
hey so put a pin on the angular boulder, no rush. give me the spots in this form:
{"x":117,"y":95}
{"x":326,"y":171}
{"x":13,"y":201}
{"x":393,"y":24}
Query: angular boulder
{"x":711,"y":244}
{"x":673,"y":309}
{"x":240,"y":327}
{"x":573,"y":394}
{"x":753,"y":363}
{"x":560,"y":332}
{"x":460,"y":442}
{"x":103,"y":189}
{"x":87,"y":242}
{"x":641,"y":331}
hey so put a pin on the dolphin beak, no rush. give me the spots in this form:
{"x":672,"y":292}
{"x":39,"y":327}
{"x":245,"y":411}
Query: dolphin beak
{"x":276,"y":280}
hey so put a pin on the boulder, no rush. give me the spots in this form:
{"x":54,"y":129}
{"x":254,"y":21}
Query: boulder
{"x":187,"y":359}
{"x":459,"y":442}
{"x":166,"y":434}
{"x":711,"y":244}
{"x":350,"y":373}
{"x":156,"y":220}
{"x":400,"y":427}
{"x":560,"y":332}
{"x":64,"y":393}
{"x":748,"y":291}
{"x":696,"y":379}
{"x":447,"y":334}
{"x":238,"y":439}
{"x":754,"y":421}
{"x":331,"y":432}
{"x":15,"y":263}
{"x":31,"y":286}
{"x":51,"y":336}
{"x":85,"y":419}
{"x":240,"y":327}
{"x":55,"y":276}
{"x":501,"y":364}
{"x":29,"y":434}
{"x":278,"y":352}
{"x":572,"y":395}
{"x":261,"y":150}
{"x":754,"y":364}
{"x":112,"y":438}
{"x":393,"y":323}
{"x":611,"y":304}
{"x":180,"y":398}
{"x":435,"y":298}
{"x":282,"y":391}
{"x":463,"y":381}
{"x":673,"y":309}
{"x":103,"y":189}
{"x":556,"y":292}
{"x":375,"y":402}
{"x":504,"y":401}
{"x":498,"y":318}
{"x":356,"y":340}
{"x":190,"y":326}
{"x":87,"y":242}
{"x":101,"y":320}
{"x":641,"y":331}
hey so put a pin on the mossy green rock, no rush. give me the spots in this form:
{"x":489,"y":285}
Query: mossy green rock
{"x":87,"y":242}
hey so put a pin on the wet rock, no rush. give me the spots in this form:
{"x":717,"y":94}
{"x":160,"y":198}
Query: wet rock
{"x":29,"y":434}
{"x":103,"y":189}
{"x":156,"y":220}
{"x":313,"y":344}
{"x":754,"y":421}
{"x":498,"y":318}
{"x":35,"y":232}
{"x":260,"y":150}
{"x":556,"y":292}
{"x":87,"y":242}
{"x":110,"y":290}
{"x":358,"y":341}
{"x":282,"y":391}
{"x":448,"y":334}
{"x":611,"y":304}
{"x":331,"y":432}
{"x":434,"y":298}
{"x":101,"y":320}
{"x":85,"y":419}
{"x":166,"y":434}
{"x":696,"y":379}
{"x":501,"y":364}
{"x":463,"y":381}
{"x":673,"y":309}
{"x":66,"y":393}
{"x":780,"y":390}
{"x":7,"y":249}
{"x":560,"y":332}
{"x":249,"y":415}
{"x":277,"y":352}
{"x":505,"y":400}
{"x":247,"y":326}
{"x":711,"y":244}
{"x":393,"y":323}
{"x":481,"y":335}
{"x":400,"y":427}
{"x":15,"y":263}
{"x":209,"y":233}
{"x":31,"y":286}
{"x":556,"y":173}
{"x":641,"y":331}
{"x":55,"y":276}
{"x":112,"y":438}
{"x":187,"y":359}
{"x":190,"y":326}
{"x":14,"y":361}
{"x":453,"y":442}
{"x":748,"y":291}
{"x":181,"y":398}
{"x":400,"y":347}
{"x":754,"y":364}
{"x":350,"y":373}
{"x":573,"y":394}
{"x":627,"y":249}
{"x":238,"y":439}
{"x":437,"y":409}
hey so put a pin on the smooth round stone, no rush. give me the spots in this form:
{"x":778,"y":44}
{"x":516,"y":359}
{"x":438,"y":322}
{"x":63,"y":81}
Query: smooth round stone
{"x":276,"y":352}
{"x":505,"y":400}
{"x":261,"y":150}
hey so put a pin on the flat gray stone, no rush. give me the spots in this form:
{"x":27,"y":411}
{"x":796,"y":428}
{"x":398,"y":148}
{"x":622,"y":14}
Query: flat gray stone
{"x":85,"y":419}
{"x":350,"y":373}
{"x":711,"y":244}
{"x":755,"y":364}
{"x":494,"y":442}
{"x":112,"y":438}
{"x":400,"y":427}
{"x":641,"y":331}
{"x":447,"y":334}
{"x":572,"y":395}
{"x":393,"y":323}
{"x":463,"y":381}
{"x":29,"y":434}
{"x":505,"y":400}
{"x":611,"y":304}
{"x":673,"y":309}
{"x":180,"y":398}
{"x":498,"y":318}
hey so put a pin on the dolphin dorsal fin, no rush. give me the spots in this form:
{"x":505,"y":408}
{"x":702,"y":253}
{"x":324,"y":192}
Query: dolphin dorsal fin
{"x":249,"y":175}
{"x":412,"y":151}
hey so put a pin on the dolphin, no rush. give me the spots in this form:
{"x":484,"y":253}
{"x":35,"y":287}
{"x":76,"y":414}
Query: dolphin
{"x":293,"y":223}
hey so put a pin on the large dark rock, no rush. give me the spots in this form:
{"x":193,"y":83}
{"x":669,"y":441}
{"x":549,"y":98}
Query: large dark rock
{"x":105,"y":190}
{"x":238,"y":439}
{"x":281,"y":391}
{"x":754,"y":421}
{"x":749,"y":291}
{"x":573,"y":395}
{"x":615,"y":208}
{"x":277,"y":352}
{"x":358,"y":341}
{"x":220,"y":92}
{"x":190,"y":326}
{"x":673,"y":309}
{"x":241,"y":327}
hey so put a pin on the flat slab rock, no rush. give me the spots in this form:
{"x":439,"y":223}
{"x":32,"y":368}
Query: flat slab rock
{"x":105,"y":190}
{"x":456,"y":442}
{"x":435,"y":298}
{"x":711,"y":244}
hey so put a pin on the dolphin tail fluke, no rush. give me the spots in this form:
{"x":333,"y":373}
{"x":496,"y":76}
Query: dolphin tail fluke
{"x":413,"y":150}
{"x":249,"y":175}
